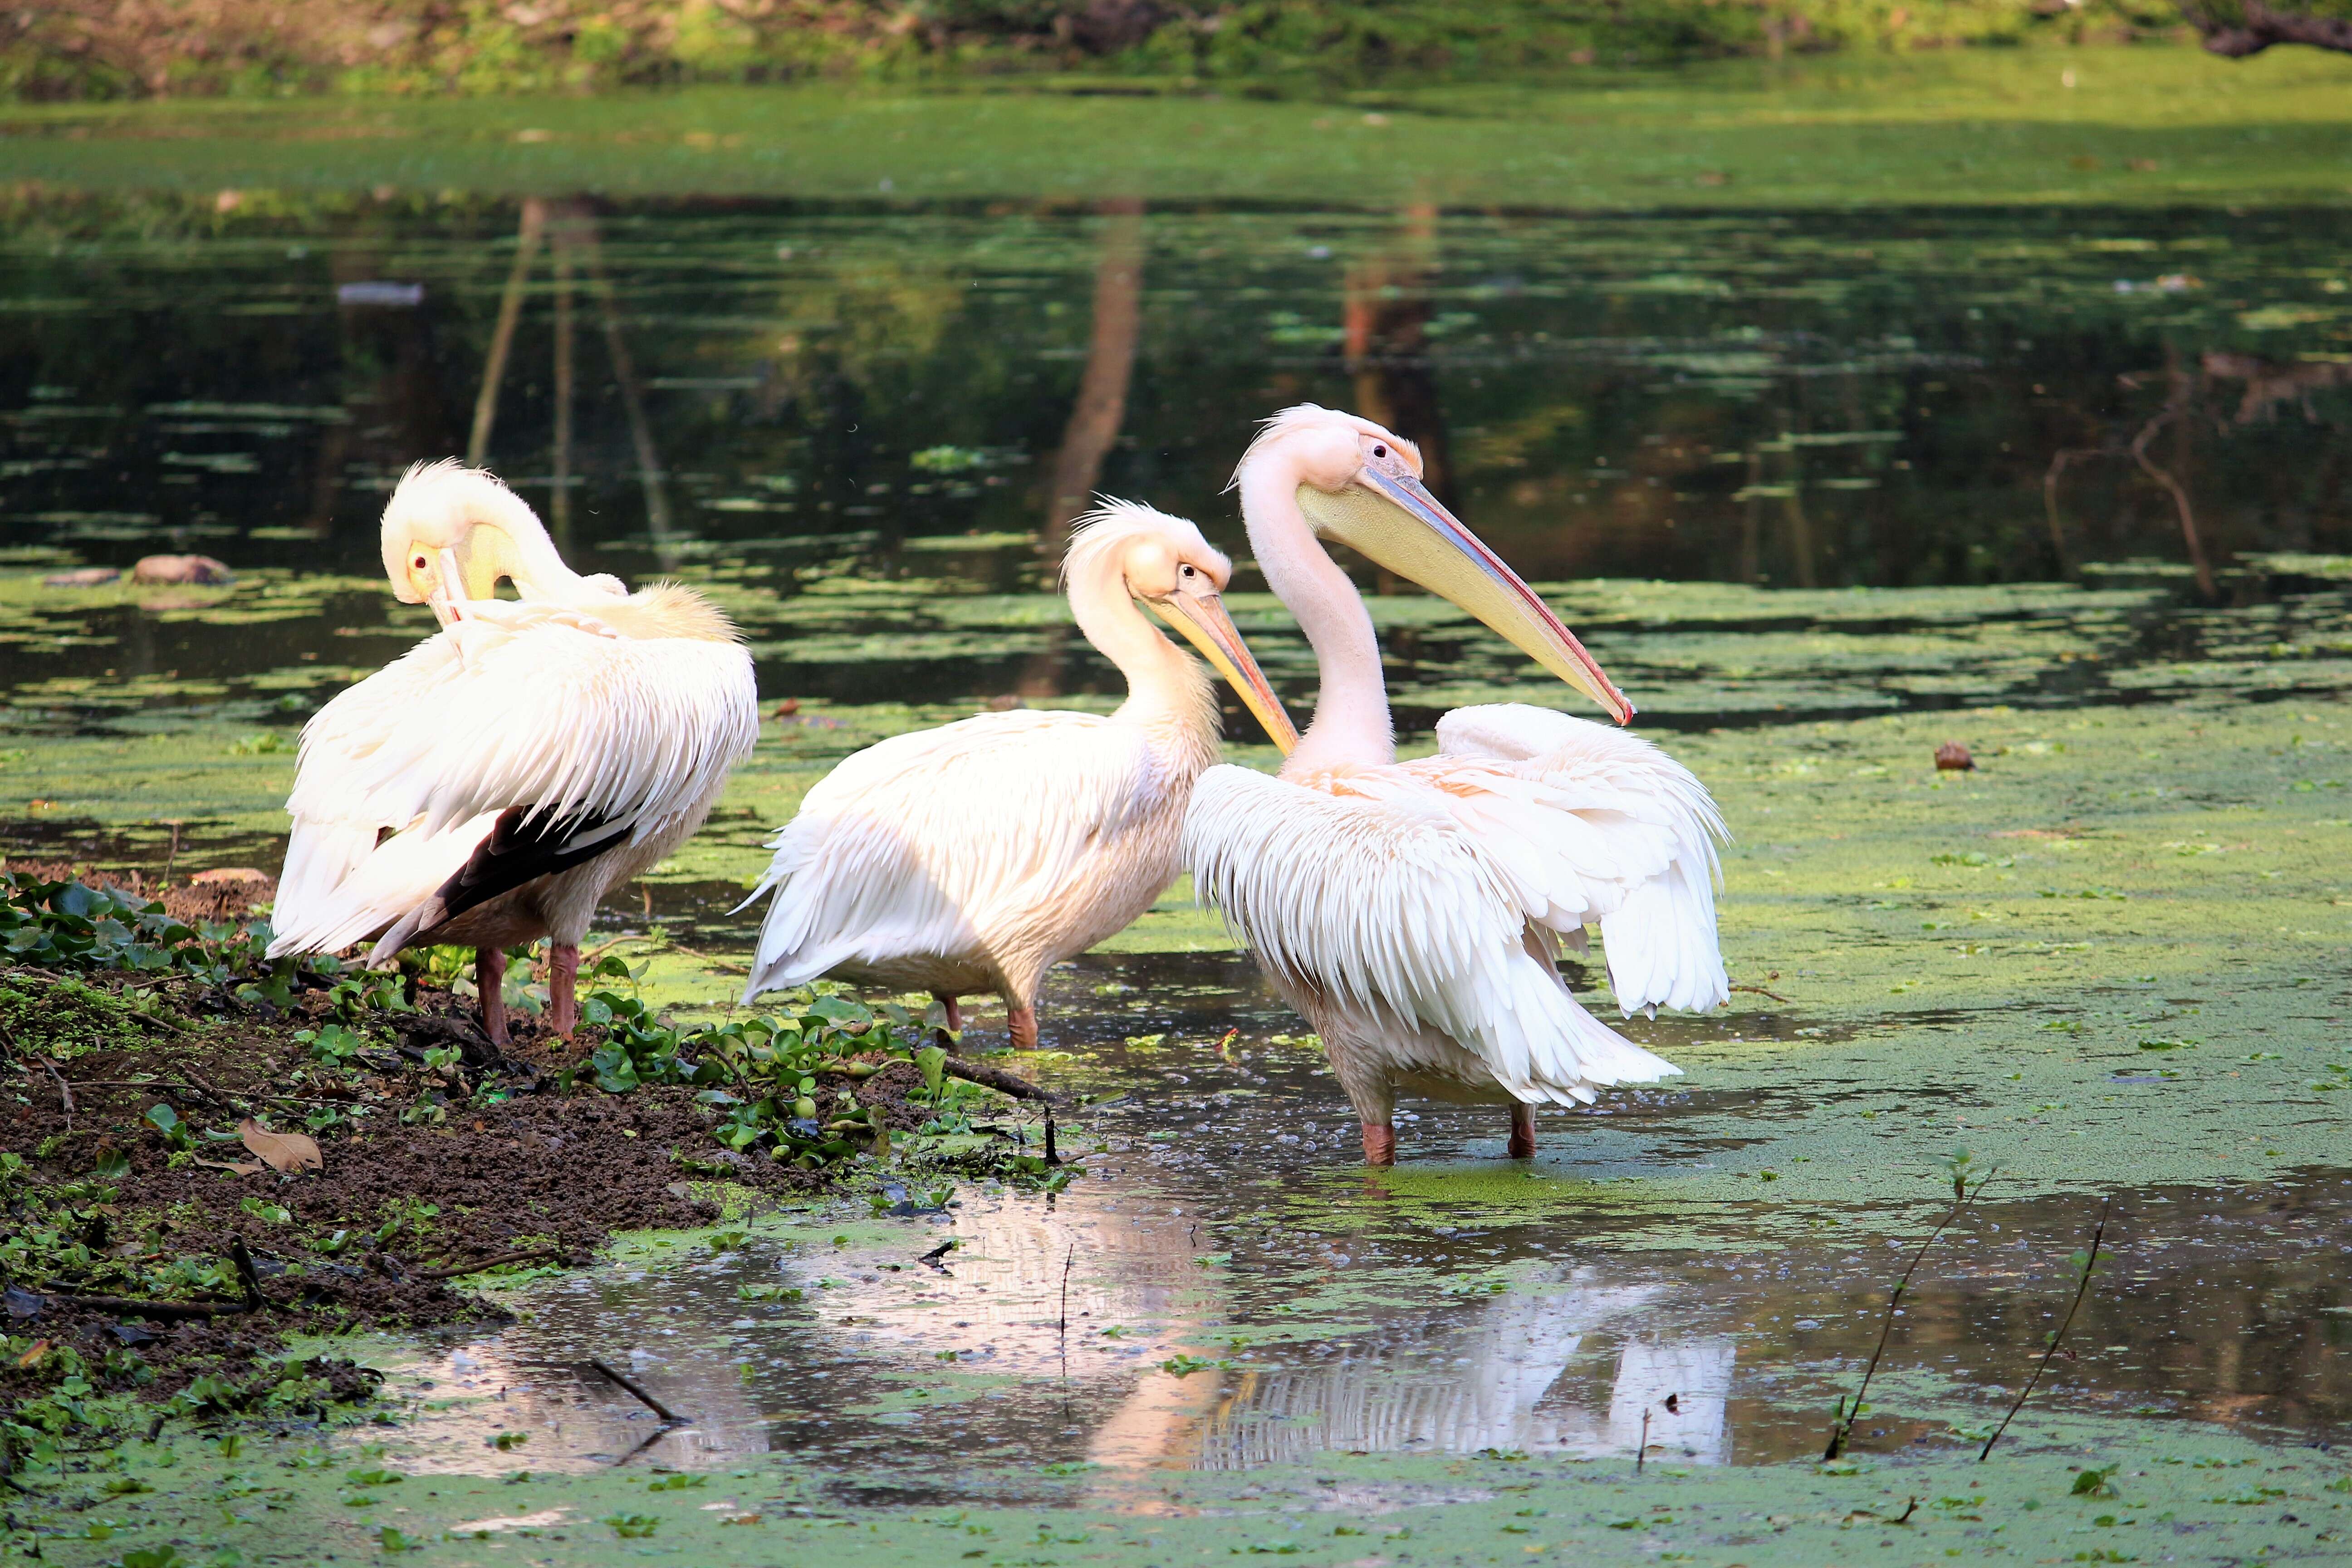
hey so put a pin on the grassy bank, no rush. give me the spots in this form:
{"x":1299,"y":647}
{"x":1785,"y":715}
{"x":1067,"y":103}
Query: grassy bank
{"x":2150,"y":127}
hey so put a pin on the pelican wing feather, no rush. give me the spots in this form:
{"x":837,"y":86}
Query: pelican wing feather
{"x":926,"y":842}
{"x":1630,"y":831}
{"x":1415,"y":892}
{"x":534,"y":708}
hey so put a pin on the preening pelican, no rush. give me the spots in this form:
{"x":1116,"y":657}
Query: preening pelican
{"x":486,"y":788}
{"x":1410,"y":911}
{"x":974,"y":857}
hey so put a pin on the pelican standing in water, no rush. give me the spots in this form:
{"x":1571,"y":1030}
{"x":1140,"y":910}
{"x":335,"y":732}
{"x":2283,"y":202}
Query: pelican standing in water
{"x":488,"y":787}
{"x":974,"y":857}
{"x":1411,"y":910}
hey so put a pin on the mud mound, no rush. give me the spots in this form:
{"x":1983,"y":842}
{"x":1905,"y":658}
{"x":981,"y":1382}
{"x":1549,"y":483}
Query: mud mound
{"x":228,"y":894}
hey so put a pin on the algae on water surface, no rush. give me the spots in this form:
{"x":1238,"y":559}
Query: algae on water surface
{"x":2074,"y":1489}
{"x":1971,"y":959}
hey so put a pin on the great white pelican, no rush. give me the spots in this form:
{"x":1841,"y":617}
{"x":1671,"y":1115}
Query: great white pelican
{"x":489,"y":787}
{"x":1411,"y":910}
{"x":974,"y":857}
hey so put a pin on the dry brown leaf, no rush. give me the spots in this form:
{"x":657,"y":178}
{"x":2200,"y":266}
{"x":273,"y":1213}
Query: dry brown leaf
{"x":242,"y":1167}
{"x":282,"y":1152}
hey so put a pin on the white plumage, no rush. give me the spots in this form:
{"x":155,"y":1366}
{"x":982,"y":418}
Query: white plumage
{"x":1411,"y":910}
{"x":974,"y":857}
{"x":489,"y":785}
{"x":1403,"y":901}
{"x":970,"y":856}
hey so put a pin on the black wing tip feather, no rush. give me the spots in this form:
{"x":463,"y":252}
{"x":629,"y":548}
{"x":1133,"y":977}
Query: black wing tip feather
{"x":522,"y":848}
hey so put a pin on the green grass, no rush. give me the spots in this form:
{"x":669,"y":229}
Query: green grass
{"x":2151,"y":125}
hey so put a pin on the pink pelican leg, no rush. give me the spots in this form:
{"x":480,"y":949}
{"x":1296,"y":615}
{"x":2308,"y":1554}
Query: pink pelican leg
{"x":1523,"y":1130}
{"x":1380,"y":1144}
{"x":490,"y":980}
{"x":1023,"y":1022}
{"x":562,"y":985}
{"x":952,"y":1007}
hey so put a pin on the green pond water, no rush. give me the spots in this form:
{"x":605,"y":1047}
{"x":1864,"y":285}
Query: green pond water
{"x":1789,"y":472}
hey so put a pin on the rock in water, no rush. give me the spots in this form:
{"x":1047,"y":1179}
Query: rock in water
{"x":1951,"y":757}
{"x":181,"y":569}
{"x":81,"y":577}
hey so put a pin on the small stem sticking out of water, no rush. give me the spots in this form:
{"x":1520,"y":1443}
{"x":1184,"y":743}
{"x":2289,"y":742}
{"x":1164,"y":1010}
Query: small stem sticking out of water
{"x":1051,"y":1157}
{"x":1842,"y":1424}
{"x":1062,"y":1327}
{"x":1641,"y":1454}
{"x":2083,"y":1287}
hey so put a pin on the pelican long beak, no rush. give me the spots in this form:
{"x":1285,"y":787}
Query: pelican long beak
{"x":1201,"y":619}
{"x":449,"y":592}
{"x":1398,"y":523}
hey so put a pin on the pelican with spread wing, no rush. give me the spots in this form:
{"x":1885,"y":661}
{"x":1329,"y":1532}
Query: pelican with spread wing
{"x":1412,"y":912}
{"x":973,"y":856}
{"x":489,"y":787}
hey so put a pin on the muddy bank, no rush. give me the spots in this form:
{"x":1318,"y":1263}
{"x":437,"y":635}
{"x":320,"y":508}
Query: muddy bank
{"x":200,"y":1166}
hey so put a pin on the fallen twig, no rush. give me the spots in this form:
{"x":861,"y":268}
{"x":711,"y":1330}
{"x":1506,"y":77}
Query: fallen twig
{"x":719,"y":965}
{"x":997,"y":1079}
{"x":2081,"y":1289}
{"x":65,"y":1091}
{"x":210,"y":1093}
{"x":1760,"y":991}
{"x":670,"y":1417}
{"x":460,"y":1271}
{"x":245,"y":1273}
{"x":1841,"y":1426}
{"x":168,"y":1311}
{"x":204,"y":1085}
{"x":161,"y":1311}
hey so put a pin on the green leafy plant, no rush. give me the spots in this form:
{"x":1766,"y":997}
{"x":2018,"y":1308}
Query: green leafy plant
{"x":334,"y":1044}
{"x":2094,"y":1483}
{"x":72,"y":926}
{"x":167,"y":1121}
{"x":1183,"y":1365}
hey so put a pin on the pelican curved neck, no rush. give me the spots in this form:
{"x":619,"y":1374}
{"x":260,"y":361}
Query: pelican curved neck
{"x":532,"y":561}
{"x":504,"y":531}
{"x":1351,"y":726}
{"x":1164,"y":684}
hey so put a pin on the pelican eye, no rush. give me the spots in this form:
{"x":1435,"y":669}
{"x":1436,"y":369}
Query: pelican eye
{"x":420,"y":564}
{"x":1380,"y":451}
